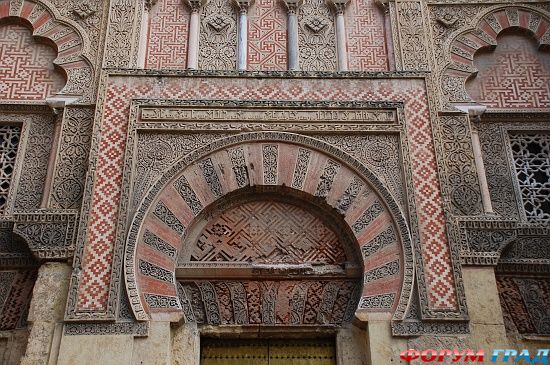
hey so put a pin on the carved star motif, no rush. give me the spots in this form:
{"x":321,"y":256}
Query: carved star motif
{"x":316,"y":25}
{"x":218,"y":23}
{"x":84,"y":10}
{"x":447,"y":20}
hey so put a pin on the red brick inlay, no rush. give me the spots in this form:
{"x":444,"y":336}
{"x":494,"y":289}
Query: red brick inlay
{"x":515,"y":75}
{"x":26,"y":67}
{"x":167,"y":37}
{"x":268,"y":232}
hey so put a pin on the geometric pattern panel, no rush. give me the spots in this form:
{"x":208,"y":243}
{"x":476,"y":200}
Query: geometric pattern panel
{"x":26,"y":67}
{"x":267,"y":36}
{"x":436,"y":256}
{"x":15,"y":297}
{"x":525,"y":304}
{"x":507,"y":77}
{"x":366,"y":39}
{"x":531,"y":153}
{"x":268,"y":232}
{"x":167,"y":38}
{"x":9,"y":141}
{"x":515,"y":75}
{"x":294,"y":303}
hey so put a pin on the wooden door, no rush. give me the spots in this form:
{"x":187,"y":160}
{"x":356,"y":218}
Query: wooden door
{"x":268,"y":352}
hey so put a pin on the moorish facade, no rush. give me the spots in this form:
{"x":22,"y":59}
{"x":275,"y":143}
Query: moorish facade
{"x":272,"y":182}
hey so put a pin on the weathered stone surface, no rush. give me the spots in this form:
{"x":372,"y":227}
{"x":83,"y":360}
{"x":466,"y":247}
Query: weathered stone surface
{"x":105,"y":350}
{"x":482,"y":295}
{"x":186,"y":345}
{"x":154,"y":349}
{"x":46,"y":310}
{"x":351,"y":346}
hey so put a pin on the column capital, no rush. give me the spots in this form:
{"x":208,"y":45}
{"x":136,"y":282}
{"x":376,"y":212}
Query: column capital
{"x":292,"y":5}
{"x":195,"y":5}
{"x":243,"y":5}
{"x":338,"y":5}
{"x":384,"y":5}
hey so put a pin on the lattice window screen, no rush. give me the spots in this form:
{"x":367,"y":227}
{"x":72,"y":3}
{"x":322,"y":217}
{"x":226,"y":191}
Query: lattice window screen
{"x":9,"y":142}
{"x":531,"y":154}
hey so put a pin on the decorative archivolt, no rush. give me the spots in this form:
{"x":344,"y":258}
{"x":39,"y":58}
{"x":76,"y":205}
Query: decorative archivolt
{"x":464,"y":44}
{"x":314,"y":170}
{"x":71,"y":42}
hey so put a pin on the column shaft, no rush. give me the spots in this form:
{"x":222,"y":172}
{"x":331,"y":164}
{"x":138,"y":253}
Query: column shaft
{"x":292,"y":41}
{"x":243,"y":41}
{"x":341,"y":42}
{"x":481,"y":174}
{"x":193,"y":47}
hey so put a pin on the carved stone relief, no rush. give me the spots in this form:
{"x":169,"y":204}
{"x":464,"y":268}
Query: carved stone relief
{"x":524,"y":301}
{"x":316,"y":37}
{"x":157,"y":151}
{"x":268,"y":232}
{"x":38,"y":145}
{"x":381,"y":153}
{"x":218,"y":36}
{"x":499,"y":177}
{"x":72,"y":159}
{"x":49,"y":235}
{"x":249,"y":302}
{"x":462,"y":181}
{"x":33,"y":154}
{"x":412,"y":35}
{"x":120,"y":34}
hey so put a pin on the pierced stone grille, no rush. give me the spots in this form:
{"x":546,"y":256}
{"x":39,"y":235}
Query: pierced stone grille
{"x":531,"y":154}
{"x":9,"y":141}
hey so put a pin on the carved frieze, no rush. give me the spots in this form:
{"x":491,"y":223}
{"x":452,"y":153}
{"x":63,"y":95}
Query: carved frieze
{"x":290,"y":303}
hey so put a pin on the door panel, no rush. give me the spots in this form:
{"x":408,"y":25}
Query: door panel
{"x":234,"y":352}
{"x":302,"y":352}
{"x":268,"y":352}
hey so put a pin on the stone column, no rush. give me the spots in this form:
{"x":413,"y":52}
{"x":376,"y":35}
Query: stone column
{"x":53,"y":156}
{"x":475,"y":111}
{"x":49,"y":297}
{"x":341,"y":38}
{"x":388,"y":33}
{"x":194,"y":29}
{"x":242,"y":46}
{"x":292,"y":34}
{"x":481,"y":173}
